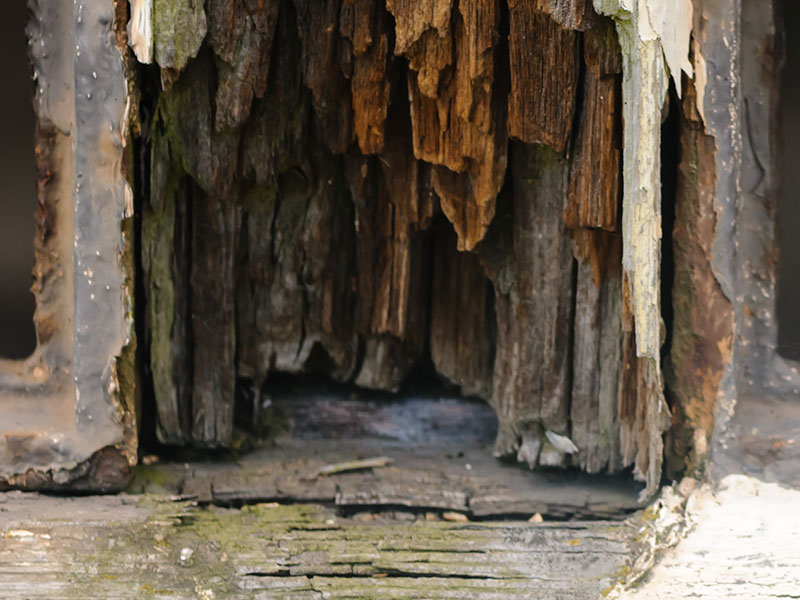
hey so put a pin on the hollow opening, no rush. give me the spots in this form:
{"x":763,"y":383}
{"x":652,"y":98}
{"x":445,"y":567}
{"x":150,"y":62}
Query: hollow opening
{"x":336,"y":270}
{"x":789,"y":199}
{"x":18,"y":197}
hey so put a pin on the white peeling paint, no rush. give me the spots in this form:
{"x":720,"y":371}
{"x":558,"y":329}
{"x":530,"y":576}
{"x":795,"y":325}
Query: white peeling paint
{"x":669,"y":21}
{"x":140,"y":30}
{"x":645,"y":80}
{"x":740,"y":541}
{"x":561,"y":442}
{"x":700,"y":79}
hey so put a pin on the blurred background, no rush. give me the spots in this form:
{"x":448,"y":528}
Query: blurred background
{"x":18,"y":191}
{"x":789,"y":202}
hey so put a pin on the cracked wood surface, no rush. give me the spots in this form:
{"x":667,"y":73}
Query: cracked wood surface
{"x":339,"y":154}
{"x":440,"y":452}
{"x":133,"y":547}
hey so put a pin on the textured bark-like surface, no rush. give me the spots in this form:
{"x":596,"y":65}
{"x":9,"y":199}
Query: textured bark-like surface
{"x":462,"y":318}
{"x":215,"y":228}
{"x":597,"y":352}
{"x":570,"y":14}
{"x":303,"y":204}
{"x":544,"y":76}
{"x":241,"y":33}
{"x":317,"y":22}
{"x":641,"y":419}
{"x":702,"y":330}
{"x":459,"y":125}
{"x":184,"y":234}
{"x":179,"y":28}
{"x":394,"y":206}
{"x":364,"y":23}
{"x":596,"y":178}
{"x":646,"y":35}
{"x":530,"y":263}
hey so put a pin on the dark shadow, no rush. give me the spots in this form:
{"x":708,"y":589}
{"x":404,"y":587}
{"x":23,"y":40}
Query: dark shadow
{"x":789,"y":201}
{"x":18,"y":196}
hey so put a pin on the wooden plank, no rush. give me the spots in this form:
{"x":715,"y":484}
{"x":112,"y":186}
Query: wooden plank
{"x":215,"y":232}
{"x":131,"y":546}
{"x":461,"y":328}
{"x":596,"y":178}
{"x":532,"y":273}
{"x":597,"y":352}
{"x":241,"y":35}
{"x":544,"y":77}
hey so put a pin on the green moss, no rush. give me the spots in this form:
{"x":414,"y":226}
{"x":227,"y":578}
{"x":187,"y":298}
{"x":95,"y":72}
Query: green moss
{"x":179,"y":27}
{"x":151,"y":479}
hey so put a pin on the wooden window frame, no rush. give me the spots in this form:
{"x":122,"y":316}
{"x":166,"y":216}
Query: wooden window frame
{"x":66,"y":418}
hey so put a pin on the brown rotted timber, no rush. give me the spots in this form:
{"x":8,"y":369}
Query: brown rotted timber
{"x":336,"y":215}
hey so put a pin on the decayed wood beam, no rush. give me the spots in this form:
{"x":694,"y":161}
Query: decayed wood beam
{"x":531,"y":266}
{"x":461,"y":328}
{"x":570,"y":14}
{"x":363,"y":22}
{"x":241,"y":34}
{"x":457,"y":108}
{"x":317,"y":22}
{"x":647,"y":37}
{"x":595,"y":180}
{"x":179,"y":28}
{"x":597,"y":364}
{"x":215,"y":232}
{"x":544,"y":76}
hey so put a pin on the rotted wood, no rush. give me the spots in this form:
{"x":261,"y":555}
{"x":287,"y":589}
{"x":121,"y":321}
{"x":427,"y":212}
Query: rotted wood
{"x":597,"y":377}
{"x":702,"y":329}
{"x":531,"y":267}
{"x":596,"y":180}
{"x":436,"y":451}
{"x":133,"y":546}
{"x":327,"y":177}
{"x":241,"y":34}
{"x":462,"y":330}
{"x":459,"y":125}
{"x":570,"y":14}
{"x":544,"y":76}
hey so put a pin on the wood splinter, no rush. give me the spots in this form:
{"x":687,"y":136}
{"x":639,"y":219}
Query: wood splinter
{"x":350,"y":465}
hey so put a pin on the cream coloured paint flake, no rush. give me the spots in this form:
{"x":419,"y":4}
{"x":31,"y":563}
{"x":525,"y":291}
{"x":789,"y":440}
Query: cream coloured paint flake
{"x":140,"y":30}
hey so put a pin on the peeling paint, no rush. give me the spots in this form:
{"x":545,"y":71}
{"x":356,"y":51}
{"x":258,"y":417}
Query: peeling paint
{"x":700,"y":78}
{"x":644,"y":87}
{"x":140,"y":30}
{"x":669,"y":21}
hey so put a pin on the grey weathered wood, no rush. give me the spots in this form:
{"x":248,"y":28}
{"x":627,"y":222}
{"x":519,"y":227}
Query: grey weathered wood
{"x":597,"y":370}
{"x":441,"y":459}
{"x":134,"y":547}
{"x":533,"y":302}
